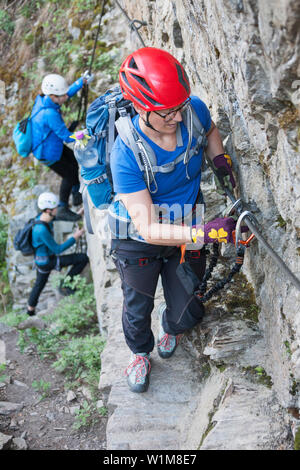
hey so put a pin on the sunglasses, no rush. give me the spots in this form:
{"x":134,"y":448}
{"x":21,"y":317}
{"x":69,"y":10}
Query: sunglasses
{"x":171,"y":114}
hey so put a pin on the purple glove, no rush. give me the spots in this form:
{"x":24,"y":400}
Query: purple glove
{"x":222,"y":164}
{"x":217,"y":230}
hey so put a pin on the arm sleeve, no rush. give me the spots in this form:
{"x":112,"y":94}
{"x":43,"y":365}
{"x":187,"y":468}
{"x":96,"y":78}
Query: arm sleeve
{"x":57,"y":125}
{"x":75,"y":87}
{"x":127,"y":177}
{"x":49,"y":241}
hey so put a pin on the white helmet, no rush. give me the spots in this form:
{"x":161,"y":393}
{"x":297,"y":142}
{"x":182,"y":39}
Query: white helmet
{"x":54,"y":84}
{"x":47,"y":201}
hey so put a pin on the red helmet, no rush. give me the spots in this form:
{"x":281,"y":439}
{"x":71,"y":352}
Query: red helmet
{"x":153,"y":79}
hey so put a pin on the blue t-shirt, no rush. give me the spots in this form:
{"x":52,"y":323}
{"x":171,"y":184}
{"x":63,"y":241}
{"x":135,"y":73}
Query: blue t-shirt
{"x":174,"y":188}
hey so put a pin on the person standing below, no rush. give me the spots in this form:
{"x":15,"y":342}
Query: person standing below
{"x":47,"y":253}
{"x":158,"y":86}
{"x":49,"y":133}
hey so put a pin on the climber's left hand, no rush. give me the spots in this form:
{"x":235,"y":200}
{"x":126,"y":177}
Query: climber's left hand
{"x":222,"y":165}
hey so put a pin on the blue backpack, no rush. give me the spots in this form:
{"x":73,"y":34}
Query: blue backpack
{"x":23,"y":238}
{"x":100,"y":123}
{"x":111,"y":115}
{"x":22,"y":136}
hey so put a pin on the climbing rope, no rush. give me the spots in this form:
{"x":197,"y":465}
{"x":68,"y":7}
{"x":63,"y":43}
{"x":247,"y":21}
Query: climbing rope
{"x":85,"y":89}
{"x":200,"y":293}
{"x":134,"y":25}
{"x":208,"y":272}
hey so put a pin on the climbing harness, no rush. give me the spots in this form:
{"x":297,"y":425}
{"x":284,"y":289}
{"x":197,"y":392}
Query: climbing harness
{"x":85,"y":89}
{"x":134,"y":25}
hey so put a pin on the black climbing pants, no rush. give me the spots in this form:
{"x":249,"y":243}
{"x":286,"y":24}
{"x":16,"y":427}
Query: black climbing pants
{"x":139,"y":265}
{"x":67,"y":168}
{"x":78,"y":262}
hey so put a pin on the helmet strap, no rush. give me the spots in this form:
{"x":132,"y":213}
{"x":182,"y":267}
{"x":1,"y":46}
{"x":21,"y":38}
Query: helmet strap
{"x":49,"y":212}
{"x":148,"y":123}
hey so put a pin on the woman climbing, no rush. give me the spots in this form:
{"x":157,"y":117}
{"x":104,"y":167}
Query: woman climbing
{"x":48,"y":253}
{"x":158,"y":86}
{"x":49,"y":133}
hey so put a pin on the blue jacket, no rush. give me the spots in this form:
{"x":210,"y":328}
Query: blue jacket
{"x":48,"y":124}
{"x":44,"y":244}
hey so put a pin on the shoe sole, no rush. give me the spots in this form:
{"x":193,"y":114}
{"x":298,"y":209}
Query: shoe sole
{"x":139,"y":388}
{"x":165,"y":355}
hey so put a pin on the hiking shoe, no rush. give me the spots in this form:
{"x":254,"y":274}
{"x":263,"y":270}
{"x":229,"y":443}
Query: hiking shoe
{"x":138,"y":372}
{"x":64,"y":213}
{"x":77,"y":199}
{"x":65,"y":291}
{"x":166,"y":343}
{"x":31,"y":313}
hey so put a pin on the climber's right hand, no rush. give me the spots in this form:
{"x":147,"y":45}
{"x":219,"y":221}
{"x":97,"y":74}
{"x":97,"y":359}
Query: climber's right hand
{"x":87,"y":77}
{"x":217,"y":230}
{"x":78,"y":233}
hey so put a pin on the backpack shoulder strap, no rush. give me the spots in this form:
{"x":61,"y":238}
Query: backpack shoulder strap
{"x":195,"y":126}
{"x":144,"y":154}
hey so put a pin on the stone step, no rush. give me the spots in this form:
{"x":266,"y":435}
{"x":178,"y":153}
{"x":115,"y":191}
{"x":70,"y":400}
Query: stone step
{"x":6,"y":408}
{"x":244,"y":422}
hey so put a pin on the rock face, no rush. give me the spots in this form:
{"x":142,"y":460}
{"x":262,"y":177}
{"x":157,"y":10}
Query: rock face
{"x":242,"y":58}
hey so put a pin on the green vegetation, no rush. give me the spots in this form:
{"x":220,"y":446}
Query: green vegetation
{"x":84,"y":5}
{"x":3,"y":377}
{"x":258,"y":374}
{"x":72,"y":340}
{"x":243,"y":297}
{"x":221,"y":366}
{"x":30,"y":176}
{"x":210,"y":426}
{"x":6,"y":22}
{"x":281,"y":222}
{"x":58,"y":58}
{"x":106,"y":61}
{"x":87,"y":415}
{"x":297,"y":440}
{"x":288,"y":348}
{"x":42,"y":387}
{"x":13,"y":318}
{"x":30,"y":7}
{"x":295,"y":387}
{"x":205,"y":370}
